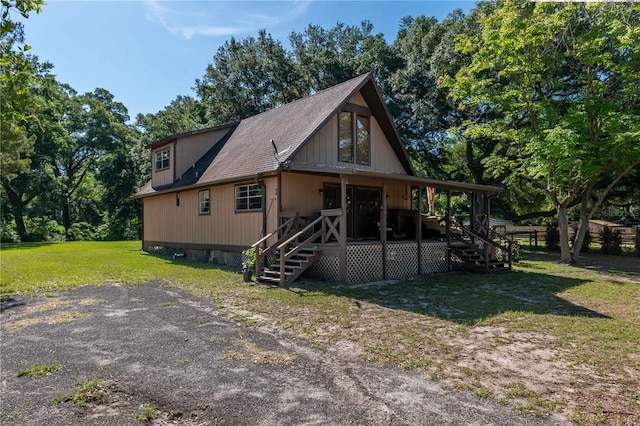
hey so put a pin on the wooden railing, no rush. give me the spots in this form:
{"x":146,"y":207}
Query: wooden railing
{"x":290,"y":235}
{"x":283,"y":231}
{"x":487,"y":242}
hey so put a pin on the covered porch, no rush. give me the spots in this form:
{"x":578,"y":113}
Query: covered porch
{"x":366,"y":226}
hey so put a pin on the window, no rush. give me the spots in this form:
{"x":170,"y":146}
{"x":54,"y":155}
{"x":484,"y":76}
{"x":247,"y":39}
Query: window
{"x":345,"y":140}
{"x":162,"y":159}
{"x":203,"y":202}
{"x":363,"y":141}
{"x":354,"y":127}
{"x":248,"y":197}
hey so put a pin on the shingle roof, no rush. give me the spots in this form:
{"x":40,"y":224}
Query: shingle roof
{"x":249,"y":152}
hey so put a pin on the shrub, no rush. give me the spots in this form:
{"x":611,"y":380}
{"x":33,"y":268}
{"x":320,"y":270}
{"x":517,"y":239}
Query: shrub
{"x":611,"y":241}
{"x":82,"y":231}
{"x":553,"y":238}
{"x":43,"y":229}
{"x":585,"y":242}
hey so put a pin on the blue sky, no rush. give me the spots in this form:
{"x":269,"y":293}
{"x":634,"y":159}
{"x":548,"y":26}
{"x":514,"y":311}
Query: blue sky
{"x":148,"y":52}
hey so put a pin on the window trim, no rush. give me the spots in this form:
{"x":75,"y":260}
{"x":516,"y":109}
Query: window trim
{"x":201,"y":202}
{"x":248,"y":197}
{"x":159,"y":158}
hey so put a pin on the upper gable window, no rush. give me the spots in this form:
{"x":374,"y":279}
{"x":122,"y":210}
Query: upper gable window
{"x":249,"y":197}
{"x":162,"y":160}
{"x":354,"y":127}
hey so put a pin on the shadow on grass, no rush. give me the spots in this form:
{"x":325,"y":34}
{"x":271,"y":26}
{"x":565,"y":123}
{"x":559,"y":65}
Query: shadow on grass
{"x":196,"y":264}
{"x":468,"y":298}
{"x":25,"y":246}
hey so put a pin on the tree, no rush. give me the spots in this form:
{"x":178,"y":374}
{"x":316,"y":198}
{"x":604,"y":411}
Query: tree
{"x":16,"y":102}
{"x":561,"y":83}
{"x":247,"y":77}
{"x":324,"y":58}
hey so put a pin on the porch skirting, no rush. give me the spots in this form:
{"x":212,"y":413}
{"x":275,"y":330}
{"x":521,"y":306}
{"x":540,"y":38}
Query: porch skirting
{"x":365,"y":261}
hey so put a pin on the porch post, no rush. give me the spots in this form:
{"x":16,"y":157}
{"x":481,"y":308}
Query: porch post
{"x":419,"y":229}
{"x":485,"y":206}
{"x":383,"y":230}
{"x":448,"y":229}
{"x":343,"y":230}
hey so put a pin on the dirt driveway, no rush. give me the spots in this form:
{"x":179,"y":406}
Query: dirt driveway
{"x":159,"y":353}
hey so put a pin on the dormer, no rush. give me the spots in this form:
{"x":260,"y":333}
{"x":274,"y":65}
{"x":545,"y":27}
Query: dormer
{"x":176,"y":156}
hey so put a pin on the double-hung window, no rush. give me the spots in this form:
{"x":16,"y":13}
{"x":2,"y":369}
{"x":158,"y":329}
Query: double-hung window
{"x":354,"y":138}
{"x":204,"y":204}
{"x":249,"y":197}
{"x":162,"y":160}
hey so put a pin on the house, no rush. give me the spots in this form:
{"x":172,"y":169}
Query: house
{"x":322,"y":185}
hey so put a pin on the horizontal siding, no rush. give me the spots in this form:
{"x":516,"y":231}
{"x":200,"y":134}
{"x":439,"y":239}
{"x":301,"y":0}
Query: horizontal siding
{"x":165,"y":221}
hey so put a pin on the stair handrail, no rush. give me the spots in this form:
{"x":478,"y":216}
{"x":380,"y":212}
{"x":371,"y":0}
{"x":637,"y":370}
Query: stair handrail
{"x":289,"y":225}
{"x":274,"y":232}
{"x":284,"y":256}
{"x":486,"y":240}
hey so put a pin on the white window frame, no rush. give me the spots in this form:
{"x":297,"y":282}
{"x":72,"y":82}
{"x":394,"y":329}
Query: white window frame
{"x":204,"y":202}
{"x":247,"y":196}
{"x":162,"y":159}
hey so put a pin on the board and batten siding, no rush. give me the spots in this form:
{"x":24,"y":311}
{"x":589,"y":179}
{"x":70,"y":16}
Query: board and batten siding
{"x":300,"y":192}
{"x":322,"y":150}
{"x":163,"y":177}
{"x":190,"y":149}
{"x":167,"y":222}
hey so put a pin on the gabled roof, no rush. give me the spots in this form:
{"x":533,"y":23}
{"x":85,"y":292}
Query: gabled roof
{"x":248,"y":151}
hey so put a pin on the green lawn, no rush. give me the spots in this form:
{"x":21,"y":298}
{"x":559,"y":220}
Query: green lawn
{"x":545,"y":338}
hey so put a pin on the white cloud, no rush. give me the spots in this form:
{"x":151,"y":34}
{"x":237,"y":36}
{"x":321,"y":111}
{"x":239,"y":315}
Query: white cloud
{"x":218,"y":18}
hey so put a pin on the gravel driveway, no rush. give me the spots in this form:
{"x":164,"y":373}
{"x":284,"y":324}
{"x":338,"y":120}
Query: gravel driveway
{"x":154,"y":346}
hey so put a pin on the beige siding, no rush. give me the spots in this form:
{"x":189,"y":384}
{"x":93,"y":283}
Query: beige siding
{"x":322,"y":150}
{"x":164,"y":221}
{"x":358,"y":100}
{"x":300,"y":192}
{"x":162,"y":177}
{"x":191,"y":148}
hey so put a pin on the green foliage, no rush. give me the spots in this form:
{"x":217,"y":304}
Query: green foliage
{"x":38,"y":370}
{"x":611,"y":241}
{"x":43,"y":229}
{"x":552,"y":240}
{"x":557,"y":82}
{"x":148,"y":413}
{"x":87,"y":393}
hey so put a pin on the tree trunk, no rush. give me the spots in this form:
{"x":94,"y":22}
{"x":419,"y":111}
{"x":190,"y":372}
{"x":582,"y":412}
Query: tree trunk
{"x":583,"y":224}
{"x":17,"y":207}
{"x":563,"y":229}
{"x":66,"y":218}
{"x":18,"y":217}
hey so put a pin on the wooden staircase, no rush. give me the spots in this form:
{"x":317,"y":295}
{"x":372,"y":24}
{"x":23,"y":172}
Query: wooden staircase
{"x":296,"y":247}
{"x":478,"y":252}
{"x":474,"y":260}
{"x":293,"y":267}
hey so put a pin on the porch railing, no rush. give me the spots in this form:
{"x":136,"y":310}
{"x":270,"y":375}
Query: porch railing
{"x":290,"y":235}
{"x":487,"y":243}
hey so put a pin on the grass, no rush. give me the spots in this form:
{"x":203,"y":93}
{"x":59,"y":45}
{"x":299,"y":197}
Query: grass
{"x":148,"y":413}
{"x":545,"y":338}
{"x":38,"y":370}
{"x":89,"y":392}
